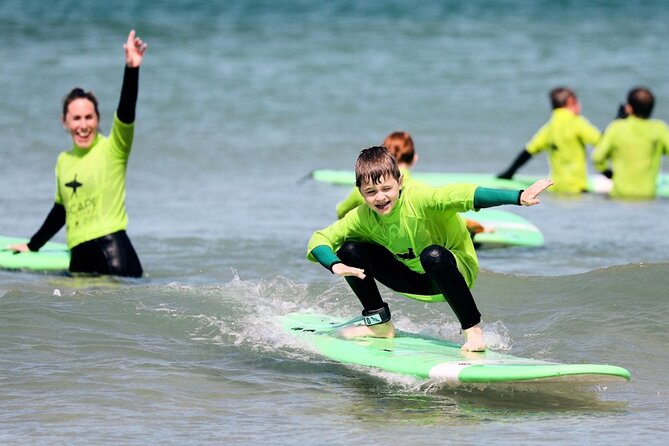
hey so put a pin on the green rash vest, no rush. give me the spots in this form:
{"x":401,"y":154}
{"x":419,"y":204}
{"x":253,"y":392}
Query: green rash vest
{"x":565,"y":136}
{"x":635,"y":147}
{"x":355,"y":199}
{"x":90,"y":184}
{"x":421,"y":217}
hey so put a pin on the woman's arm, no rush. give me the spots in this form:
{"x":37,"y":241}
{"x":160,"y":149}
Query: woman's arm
{"x":134,"y":53}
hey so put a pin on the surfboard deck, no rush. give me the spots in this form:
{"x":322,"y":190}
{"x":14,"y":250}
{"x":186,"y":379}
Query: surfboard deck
{"x":596,"y":183}
{"x":347,"y":178}
{"x":503,"y":229}
{"x":439,"y":360}
{"x":51,"y":257}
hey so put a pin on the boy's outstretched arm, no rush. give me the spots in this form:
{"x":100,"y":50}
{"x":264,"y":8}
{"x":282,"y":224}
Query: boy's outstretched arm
{"x":529,"y":195}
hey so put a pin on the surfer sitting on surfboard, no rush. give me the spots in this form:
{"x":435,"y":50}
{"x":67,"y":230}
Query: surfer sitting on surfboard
{"x":90,"y":192}
{"x":412,"y":240}
{"x":634,"y":146}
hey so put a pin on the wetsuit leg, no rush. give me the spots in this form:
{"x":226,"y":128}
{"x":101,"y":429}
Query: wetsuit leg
{"x":88,"y":258}
{"x":121,"y":256}
{"x":380,"y":264}
{"x":110,"y":254}
{"x":440,"y":265}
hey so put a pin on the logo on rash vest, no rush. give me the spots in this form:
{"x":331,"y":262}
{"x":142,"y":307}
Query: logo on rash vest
{"x":407,"y":255}
{"x":74,"y":184}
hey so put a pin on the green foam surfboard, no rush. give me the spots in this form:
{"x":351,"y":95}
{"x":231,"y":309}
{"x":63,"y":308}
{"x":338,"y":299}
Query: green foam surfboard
{"x":439,"y":360}
{"x":596,"y":183}
{"x":51,"y":257}
{"x":501,"y":229}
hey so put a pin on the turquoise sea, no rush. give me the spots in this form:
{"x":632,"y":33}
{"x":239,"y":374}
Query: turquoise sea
{"x":239,"y":101}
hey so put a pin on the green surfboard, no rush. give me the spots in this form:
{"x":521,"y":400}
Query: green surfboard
{"x":347,"y":178}
{"x":503,"y":229}
{"x":51,"y":257}
{"x":438,"y":360}
{"x":596,"y":183}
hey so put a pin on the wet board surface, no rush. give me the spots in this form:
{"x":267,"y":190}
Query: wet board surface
{"x":51,"y":257}
{"x":502,"y":229}
{"x":596,"y":183}
{"x":438,"y":360}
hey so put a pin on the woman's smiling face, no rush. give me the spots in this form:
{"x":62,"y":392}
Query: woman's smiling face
{"x":381,"y":196}
{"x":81,"y":121}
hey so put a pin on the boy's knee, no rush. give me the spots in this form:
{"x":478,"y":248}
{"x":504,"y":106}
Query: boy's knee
{"x":348,"y":252}
{"x":434,"y":255}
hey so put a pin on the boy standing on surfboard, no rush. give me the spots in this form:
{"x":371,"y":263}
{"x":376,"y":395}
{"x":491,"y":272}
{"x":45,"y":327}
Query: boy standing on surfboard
{"x":412,"y":240}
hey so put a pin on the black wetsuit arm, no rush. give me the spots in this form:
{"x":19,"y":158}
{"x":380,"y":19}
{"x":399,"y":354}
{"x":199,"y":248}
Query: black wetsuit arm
{"x":521,"y":159}
{"x":52,"y":224}
{"x":485,"y":197}
{"x":128,"y":100}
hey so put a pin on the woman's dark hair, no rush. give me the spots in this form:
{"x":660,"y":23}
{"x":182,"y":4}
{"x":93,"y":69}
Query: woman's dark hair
{"x":79,"y":93}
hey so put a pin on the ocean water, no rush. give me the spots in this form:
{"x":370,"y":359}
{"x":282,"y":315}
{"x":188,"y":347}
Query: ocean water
{"x":239,"y":101}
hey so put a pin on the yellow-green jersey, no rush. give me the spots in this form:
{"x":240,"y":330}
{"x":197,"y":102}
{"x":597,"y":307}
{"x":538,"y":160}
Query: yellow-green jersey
{"x":422,"y":216}
{"x":634,"y":147}
{"x":565,"y":136}
{"x":90,"y":184}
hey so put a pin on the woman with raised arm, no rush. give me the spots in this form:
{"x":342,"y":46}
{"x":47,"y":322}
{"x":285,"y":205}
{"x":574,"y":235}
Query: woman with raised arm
{"x":90,"y":180}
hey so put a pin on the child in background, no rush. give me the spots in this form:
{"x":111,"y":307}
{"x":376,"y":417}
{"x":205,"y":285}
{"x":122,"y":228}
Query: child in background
{"x":412,"y":240}
{"x":634,"y":145}
{"x":564,"y":136}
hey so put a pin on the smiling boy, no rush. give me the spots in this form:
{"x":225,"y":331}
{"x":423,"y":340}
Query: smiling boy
{"x":412,"y":240}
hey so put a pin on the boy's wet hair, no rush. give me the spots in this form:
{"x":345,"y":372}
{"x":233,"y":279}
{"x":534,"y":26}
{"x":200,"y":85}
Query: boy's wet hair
{"x":374,"y":163}
{"x":642,"y":102}
{"x":560,"y":95}
{"x":400,"y":144}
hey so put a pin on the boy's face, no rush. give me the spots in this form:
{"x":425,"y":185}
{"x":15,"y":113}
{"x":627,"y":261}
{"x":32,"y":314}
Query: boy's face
{"x":382,"y":196}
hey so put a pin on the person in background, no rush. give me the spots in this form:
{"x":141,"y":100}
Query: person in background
{"x":90,"y":180}
{"x":412,"y":240}
{"x":565,"y":137}
{"x":631,"y":149}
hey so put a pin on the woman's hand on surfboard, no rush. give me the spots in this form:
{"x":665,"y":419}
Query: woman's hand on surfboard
{"x":344,"y":270}
{"x":21,"y":247}
{"x":529,"y":195}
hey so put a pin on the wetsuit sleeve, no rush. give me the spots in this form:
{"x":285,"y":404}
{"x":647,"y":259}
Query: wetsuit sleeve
{"x":54,"y":221}
{"x":485,"y":197}
{"x":521,"y":159}
{"x":128,"y":100}
{"x":325,"y":256}
{"x":588,"y":133}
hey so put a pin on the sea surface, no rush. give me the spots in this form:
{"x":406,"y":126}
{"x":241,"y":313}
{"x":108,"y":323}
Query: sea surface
{"x":239,"y":101}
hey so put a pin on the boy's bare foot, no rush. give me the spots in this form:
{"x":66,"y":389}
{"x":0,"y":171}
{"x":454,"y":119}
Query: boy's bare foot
{"x":474,"y":340}
{"x":384,"y":330}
